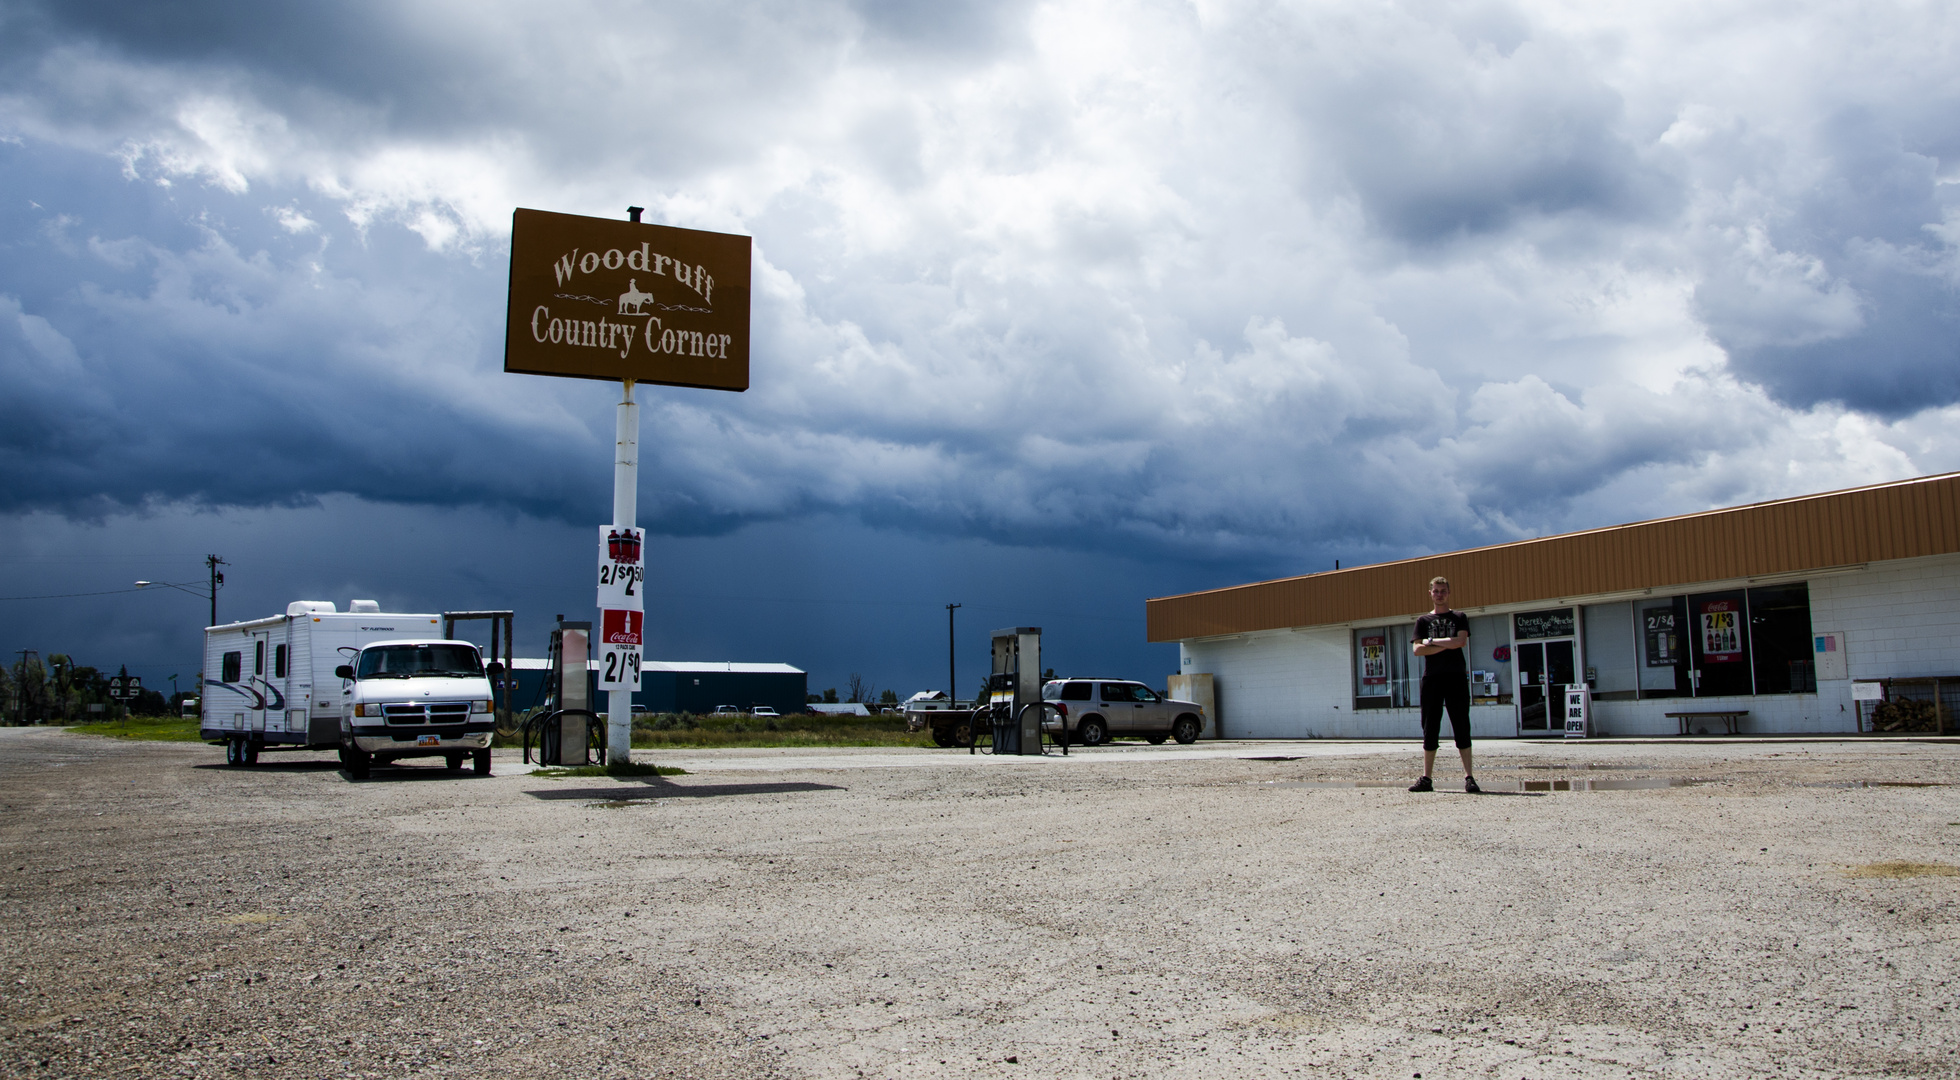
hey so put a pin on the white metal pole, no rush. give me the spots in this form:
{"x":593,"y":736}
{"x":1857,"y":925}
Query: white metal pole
{"x":626,"y":487}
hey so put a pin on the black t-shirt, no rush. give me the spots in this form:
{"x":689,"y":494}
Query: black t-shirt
{"x":1447,"y":625}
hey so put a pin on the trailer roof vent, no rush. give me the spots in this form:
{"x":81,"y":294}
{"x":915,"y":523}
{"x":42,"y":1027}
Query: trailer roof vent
{"x":363,"y":605}
{"x":310,"y":607}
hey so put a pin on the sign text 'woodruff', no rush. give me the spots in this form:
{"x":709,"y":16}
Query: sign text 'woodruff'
{"x":595,"y":298}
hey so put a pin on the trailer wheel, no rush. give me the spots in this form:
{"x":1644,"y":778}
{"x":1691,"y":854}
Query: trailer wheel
{"x":963,"y":733}
{"x":1186,"y":730}
{"x":1091,"y":731}
{"x":942,"y":736}
{"x":453,"y":761}
{"x":231,"y":751}
{"x":482,"y":762}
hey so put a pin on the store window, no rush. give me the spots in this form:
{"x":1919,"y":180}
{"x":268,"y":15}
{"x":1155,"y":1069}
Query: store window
{"x":1381,"y":668}
{"x":1727,"y":644}
{"x":1779,"y":621}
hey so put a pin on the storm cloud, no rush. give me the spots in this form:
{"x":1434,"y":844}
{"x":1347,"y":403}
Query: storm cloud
{"x":1235,"y":288}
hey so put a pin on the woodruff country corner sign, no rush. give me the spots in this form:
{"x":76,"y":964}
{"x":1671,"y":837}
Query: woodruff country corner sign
{"x":594,"y":298}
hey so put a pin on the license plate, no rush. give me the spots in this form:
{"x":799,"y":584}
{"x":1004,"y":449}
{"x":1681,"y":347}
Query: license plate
{"x":428,"y":740}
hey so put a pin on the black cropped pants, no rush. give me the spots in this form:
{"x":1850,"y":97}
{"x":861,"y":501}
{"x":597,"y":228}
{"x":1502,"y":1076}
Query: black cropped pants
{"x":1441,"y":692}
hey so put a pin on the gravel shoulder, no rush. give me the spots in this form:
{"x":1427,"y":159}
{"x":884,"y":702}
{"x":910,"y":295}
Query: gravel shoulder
{"x":1151,"y":912}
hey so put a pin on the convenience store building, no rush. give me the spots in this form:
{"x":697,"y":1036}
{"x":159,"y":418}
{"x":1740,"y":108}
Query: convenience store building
{"x":1795,"y":613}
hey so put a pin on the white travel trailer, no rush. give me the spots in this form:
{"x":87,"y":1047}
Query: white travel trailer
{"x":274,"y":683}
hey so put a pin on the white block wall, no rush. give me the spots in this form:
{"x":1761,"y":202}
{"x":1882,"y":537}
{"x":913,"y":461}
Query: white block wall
{"x":1899,"y":618}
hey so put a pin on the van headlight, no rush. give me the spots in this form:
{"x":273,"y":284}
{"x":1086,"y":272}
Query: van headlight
{"x":364,"y":709}
{"x":480,"y":705}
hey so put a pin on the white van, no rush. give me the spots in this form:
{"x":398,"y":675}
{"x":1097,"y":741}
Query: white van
{"x":416,"y":698}
{"x":271,"y":683}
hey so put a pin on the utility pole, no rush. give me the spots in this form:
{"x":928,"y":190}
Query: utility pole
{"x":952,"y":664}
{"x":217,"y":579}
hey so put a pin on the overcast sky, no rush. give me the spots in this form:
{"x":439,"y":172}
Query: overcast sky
{"x":1057,"y":305}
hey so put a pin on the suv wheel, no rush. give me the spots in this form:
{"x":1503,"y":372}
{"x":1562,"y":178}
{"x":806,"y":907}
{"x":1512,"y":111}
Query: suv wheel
{"x":1186,"y":730}
{"x":1091,"y":731}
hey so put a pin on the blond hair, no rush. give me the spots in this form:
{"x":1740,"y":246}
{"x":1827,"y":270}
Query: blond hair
{"x":1439,"y":580}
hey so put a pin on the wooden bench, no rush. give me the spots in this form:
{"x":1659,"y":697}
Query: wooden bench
{"x":1731,"y":718}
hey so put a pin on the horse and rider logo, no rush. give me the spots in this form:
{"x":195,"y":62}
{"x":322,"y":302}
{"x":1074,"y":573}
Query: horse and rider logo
{"x":633,"y":299}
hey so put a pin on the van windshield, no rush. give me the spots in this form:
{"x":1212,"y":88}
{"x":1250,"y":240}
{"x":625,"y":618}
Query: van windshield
{"x":409,"y":661}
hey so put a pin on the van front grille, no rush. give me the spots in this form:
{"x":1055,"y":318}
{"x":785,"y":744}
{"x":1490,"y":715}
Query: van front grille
{"x":435,"y":713}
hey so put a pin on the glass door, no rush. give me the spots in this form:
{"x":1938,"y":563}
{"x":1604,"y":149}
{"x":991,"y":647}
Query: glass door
{"x":1547,"y":655}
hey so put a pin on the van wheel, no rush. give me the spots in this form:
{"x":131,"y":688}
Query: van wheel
{"x":481,"y":762}
{"x":1156,"y":738}
{"x":1091,"y":732}
{"x":1186,"y":730}
{"x":356,"y":761}
{"x":453,"y":761}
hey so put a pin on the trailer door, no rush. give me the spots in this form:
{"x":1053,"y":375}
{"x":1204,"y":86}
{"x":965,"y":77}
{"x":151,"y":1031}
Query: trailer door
{"x":265,"y":696}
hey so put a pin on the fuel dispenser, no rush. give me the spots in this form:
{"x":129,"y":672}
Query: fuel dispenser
{"x":1014,"y":691}
{"x":568,"y":731}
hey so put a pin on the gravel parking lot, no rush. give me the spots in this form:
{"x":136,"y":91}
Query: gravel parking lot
{"x":1689,"y":908}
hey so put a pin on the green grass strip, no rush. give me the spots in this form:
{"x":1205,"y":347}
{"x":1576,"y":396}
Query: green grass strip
{"x":634,"y":768}
{"x":146,"y":728}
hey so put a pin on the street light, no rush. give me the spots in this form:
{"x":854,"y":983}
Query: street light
{"x":215,"y":583}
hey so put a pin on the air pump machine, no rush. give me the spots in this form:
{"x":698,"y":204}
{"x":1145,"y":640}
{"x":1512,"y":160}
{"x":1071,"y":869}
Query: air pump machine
{"x":1014,"y":692}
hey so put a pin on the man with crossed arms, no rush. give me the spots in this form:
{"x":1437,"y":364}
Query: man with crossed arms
{"x":1441,"y":637}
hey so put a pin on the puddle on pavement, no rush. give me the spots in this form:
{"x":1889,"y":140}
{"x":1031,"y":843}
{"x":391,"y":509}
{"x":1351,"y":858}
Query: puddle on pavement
{"x":1883,"y":783}
{"x":1558,"y":768}
{"x":1513,"y":786}
{"x":1269,"y":759}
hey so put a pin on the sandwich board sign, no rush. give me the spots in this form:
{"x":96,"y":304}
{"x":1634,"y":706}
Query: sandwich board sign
{"x":595,"y":298}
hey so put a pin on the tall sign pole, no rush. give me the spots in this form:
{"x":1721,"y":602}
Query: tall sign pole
{"x":630,"y":302}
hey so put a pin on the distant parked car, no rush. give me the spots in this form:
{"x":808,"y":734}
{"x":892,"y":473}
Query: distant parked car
{"x":727,"y":710}
{"x":763,"y":710}
{"x":1097,"y":710}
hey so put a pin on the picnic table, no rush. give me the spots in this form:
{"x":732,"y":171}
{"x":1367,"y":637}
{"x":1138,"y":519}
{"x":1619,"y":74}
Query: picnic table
{"x":1732,"y":718}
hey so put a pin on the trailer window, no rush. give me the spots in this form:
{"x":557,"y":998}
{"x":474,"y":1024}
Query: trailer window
{"x":409,"y":661}
{"x":233,"y":667}
{"x":258,"y":657}
{"x":278,"y":661}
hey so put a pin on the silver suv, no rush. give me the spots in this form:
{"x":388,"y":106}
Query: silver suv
{"x":1097,"y":710}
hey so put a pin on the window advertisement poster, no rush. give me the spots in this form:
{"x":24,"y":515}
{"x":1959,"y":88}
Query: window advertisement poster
{"x":619,"y":649}
{"x":1663,"y":647}
{"x":1721,"y":632}
{"x":1374,"y":666}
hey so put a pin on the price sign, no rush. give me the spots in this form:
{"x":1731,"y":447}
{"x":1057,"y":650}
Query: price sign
{"x":620,"y":571}
{"x":619,"y":649}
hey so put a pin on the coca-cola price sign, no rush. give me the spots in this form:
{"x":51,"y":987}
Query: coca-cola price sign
{"x":619,"y":649}
{"x":621,"y":572}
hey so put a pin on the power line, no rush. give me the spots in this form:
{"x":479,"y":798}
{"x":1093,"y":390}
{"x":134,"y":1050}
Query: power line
{"x":67,"y":595}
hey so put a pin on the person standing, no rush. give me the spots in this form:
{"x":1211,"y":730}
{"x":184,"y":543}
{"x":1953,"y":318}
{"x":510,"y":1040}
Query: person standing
{"x":1441,"y":637}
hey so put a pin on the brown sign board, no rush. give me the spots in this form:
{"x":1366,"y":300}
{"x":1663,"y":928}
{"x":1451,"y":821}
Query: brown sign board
{"x":593,"y":298}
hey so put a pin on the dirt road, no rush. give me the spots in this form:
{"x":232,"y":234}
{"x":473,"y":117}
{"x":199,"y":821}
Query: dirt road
{"x":1179,"y":912}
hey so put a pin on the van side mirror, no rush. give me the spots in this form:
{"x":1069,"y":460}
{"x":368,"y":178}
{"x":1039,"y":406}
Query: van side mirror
{"x":494,"y":668}
{"x":345,"y":671}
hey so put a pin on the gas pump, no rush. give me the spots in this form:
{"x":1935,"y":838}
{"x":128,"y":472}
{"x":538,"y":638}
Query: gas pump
{"x":1014,"y":691}
{"x":567,"y":730}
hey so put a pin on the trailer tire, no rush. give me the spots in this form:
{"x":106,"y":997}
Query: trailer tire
{"x":1186,"y":730}
{"x":252,"y":752}
{"x":481,"y":762}
{"x":1091,"y":731}
{"x":231,"y":751}
{"x":942,"y":736}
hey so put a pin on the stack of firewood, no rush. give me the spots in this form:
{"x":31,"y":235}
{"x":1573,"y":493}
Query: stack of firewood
{"x":1905,"y":714}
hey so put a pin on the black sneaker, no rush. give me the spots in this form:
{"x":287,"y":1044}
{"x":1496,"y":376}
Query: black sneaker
{"x":1470,"y":786}
{"x":1422,"y":785}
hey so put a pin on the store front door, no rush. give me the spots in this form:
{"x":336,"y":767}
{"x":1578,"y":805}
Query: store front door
{"x":1547,"y":655}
